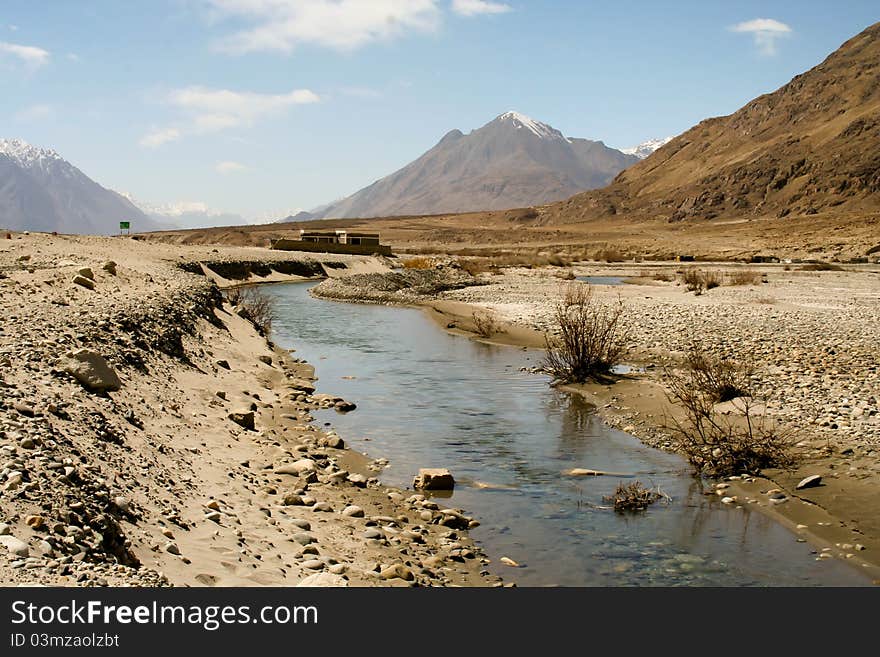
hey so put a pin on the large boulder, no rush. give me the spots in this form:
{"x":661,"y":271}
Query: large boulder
{"x":15,"y":546}
{"x":434,"y":479}
{"x":91,"y":369}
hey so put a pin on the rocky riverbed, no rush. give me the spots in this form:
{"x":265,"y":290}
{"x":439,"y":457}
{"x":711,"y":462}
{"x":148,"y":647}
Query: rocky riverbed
{"x":151,"y":436}
{"x":812,"y":337}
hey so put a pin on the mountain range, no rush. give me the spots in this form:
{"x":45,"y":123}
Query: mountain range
{"x":512,"y":161}
{"x":40,"y":190}
{"x":808,"y":148}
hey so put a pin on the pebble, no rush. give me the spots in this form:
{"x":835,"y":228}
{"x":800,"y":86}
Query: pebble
{"x":353,"y":511}
{"x":397,"y":571}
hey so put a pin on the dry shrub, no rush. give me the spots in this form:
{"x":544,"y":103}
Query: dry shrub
{"x":720,"y":379}
{"x":558,"y":261}
{"x":692,"y":279}
{"x":696,"y":280}
{"x":418,"y":263}
{"x":609,"y":255}
{"x":589,"y":340}
{"x":656,"y":275}
{"x":711,"y":279}
{"x":721,"y":445}
{"x":485,"y":325}
{"x":634,"y":497}
{"x":253,"y":305}
{"x":475,"y":267}
{"x":745,"y":277}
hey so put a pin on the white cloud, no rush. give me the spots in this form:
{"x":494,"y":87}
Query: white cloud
{"x":29,"y":55}
{"x":159,"y":137}
{"x":35,"y":112}
{"x":282,"y":25}
{"x":765,"y":31}
{"x":12,"y":28}
{"x":227,"y":167}
{"x":73,"y":57}
{"x":218,"y":109}
{"x":478,"y":7}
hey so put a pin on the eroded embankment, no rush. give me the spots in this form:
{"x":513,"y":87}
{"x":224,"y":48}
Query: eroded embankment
{"x":149,"y":435}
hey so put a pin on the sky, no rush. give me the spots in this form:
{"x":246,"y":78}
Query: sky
{"x":263,"y":107}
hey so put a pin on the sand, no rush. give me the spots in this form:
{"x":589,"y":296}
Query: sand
{"x":155,"y":484}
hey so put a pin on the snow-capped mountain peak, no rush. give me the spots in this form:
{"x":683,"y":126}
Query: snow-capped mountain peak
{"x":644,"y":149}
{"x":523,"y":122}
{"x":26,"y":155}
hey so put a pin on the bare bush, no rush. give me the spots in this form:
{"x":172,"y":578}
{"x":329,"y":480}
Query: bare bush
{"x":711,"y":279}
{"x":418,"y":263}
{"x":590,"y":338}
{"x":657,"y":275}
{"x":634,"y":497}
{"x":745,"y":277}
{"x":253,"y":305}
{"x":696,"y":280}
{"x":693,"y":280}
{"x":475,"y":267}
{"x":719,"y":444}
{"x":719,"y":379}
{"x":485,"y":325}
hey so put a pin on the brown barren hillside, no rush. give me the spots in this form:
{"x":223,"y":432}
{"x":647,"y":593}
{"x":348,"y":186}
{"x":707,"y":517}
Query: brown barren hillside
{"x":811,"y":147}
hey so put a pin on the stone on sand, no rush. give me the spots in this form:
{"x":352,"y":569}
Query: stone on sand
{"x":244,"y":419}
{"x":91,"y":369}
{"x":323,"y":580}
{"x":297,"y":468}
{"x":434,"y":479}
{"x":87,"y":283}
{"x":15,"y":546}
{"x":353,"y":511}
{"x":397,"y":570}
{"x":809,"y":482}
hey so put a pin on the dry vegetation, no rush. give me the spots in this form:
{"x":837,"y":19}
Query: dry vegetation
{"x":254,"y":305}
{"x":718,"y":444}
{"x":590,"y":339}
{"x":698,"y":280}
{"x":418,"y":263}
{"x":484,"y":324}
{"x":634,"y":497}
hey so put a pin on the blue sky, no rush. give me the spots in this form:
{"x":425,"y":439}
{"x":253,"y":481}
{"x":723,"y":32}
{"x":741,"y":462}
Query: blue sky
{"x":264,"y":106}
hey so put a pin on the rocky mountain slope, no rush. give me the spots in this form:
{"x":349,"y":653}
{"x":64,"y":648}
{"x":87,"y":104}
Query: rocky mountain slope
{"x":512,"y":161}
{"x":808,"y":148}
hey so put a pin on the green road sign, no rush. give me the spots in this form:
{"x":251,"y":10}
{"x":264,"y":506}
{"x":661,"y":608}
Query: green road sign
{"x":124,"y":225}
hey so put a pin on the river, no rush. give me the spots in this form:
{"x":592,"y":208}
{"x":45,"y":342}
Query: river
{"x":429,"y":399}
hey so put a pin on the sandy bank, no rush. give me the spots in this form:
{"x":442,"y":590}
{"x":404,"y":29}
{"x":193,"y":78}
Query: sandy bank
{"x":203,"y":468}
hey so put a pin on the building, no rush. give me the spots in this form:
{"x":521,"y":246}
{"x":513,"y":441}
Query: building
{"x":339,"y":241}
{"x":339,"y":237}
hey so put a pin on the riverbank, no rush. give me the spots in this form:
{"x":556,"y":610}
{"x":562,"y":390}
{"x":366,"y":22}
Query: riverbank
{"x":812,"y":335}
{"x":204,"y":467}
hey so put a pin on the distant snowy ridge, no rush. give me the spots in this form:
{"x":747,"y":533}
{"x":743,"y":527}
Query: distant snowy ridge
{"x":644,"y":149}
{"x":27,"y":156}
